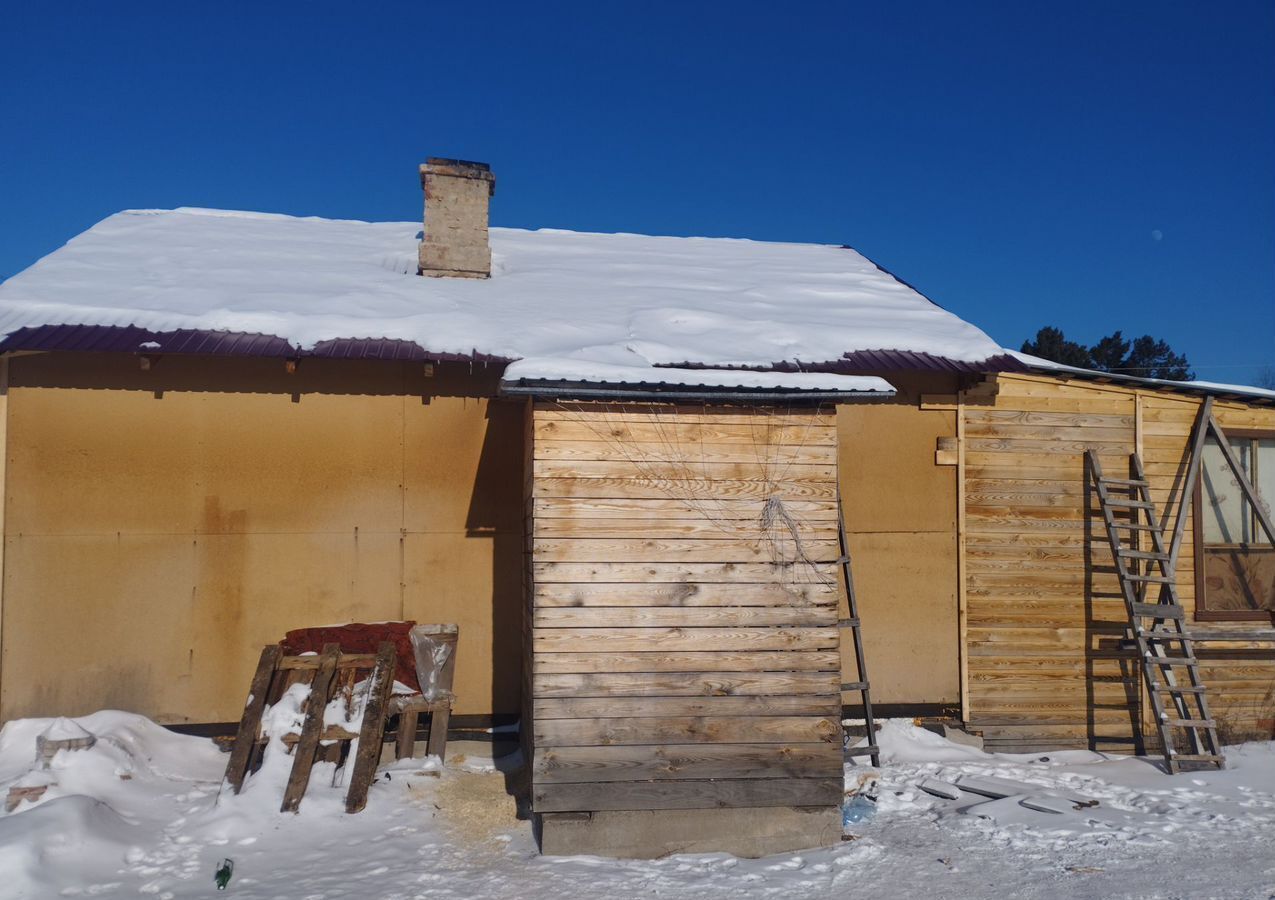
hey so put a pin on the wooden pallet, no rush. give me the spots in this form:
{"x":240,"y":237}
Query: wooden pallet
{"x":327,"y":673}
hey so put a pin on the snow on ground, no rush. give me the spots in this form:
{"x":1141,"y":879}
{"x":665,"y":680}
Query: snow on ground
{"x":138,"y":815}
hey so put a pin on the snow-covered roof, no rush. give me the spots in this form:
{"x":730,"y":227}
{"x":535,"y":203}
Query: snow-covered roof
{"x":558,"y":300}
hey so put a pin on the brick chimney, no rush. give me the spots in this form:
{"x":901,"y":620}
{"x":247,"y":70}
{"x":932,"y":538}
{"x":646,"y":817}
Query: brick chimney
{"x":456,"y":199}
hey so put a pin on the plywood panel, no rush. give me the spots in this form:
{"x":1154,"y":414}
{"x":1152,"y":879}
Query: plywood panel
{"x":208,"y":506}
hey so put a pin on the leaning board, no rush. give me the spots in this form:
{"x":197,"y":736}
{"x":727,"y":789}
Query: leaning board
{"x":681,"y":607}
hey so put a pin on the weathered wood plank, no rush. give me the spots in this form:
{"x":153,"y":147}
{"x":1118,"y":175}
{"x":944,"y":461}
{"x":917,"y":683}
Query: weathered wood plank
{"x":683,"y":617}
{"x":701,"y":573}
{"x":705,"y":491}
{"x":303,"y":755}
{"x":250,"y":722}
{"x":703,"y":528}
{"x":685,"y":470}
{"x":1011,"y":416}
{"x":379,"y":685}
{"x":667,"y":508}
{"x":569,"y":765}
{"x":828,"y":705}
{"x":687,"y":684}
{"x":687,"y":794}
{"x":687,"y":433}
{"x":683,"y":594}
{"x":678,"y":550}
{"x":620,"y":640}
{"x":688,"y":661}
{"x":773,"y":454}
{"x":687,"y":730}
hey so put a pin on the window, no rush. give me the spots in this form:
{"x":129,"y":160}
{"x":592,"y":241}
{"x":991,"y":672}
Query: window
{"x":1234,"y":560}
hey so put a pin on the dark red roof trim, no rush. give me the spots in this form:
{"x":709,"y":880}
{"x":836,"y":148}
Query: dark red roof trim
{"x":130,"y":339}
{"x":873,"y":361}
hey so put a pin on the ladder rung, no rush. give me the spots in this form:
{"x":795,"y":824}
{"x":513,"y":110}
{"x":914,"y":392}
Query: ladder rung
{"x":1196,"y":757}
{"x":869,"y":750}
{"x":1191,"y":723}
{"x":1159,"y":610}
{"x":847,"y":623}
{"x":855,"y":686}
{"x":1136,"y":526}
{"x":1126,"y":503}
{"x":1172,"y":660}
{"x":1159,"y":634}
{"x":1142,"y":554}
{"x":1128,"y":482}
{"x":1180,"y":688}
{"x":1153,"y":579}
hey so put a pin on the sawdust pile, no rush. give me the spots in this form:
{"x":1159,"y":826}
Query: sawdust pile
{"x":475,"y":805}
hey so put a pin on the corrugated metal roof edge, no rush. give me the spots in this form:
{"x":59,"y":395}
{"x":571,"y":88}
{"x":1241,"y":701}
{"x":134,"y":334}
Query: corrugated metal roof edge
{"x":131,"y":339}
{"x":603,"y":390}
{"x":866,"y":361}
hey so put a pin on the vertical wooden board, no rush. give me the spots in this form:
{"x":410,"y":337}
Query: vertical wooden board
{"x":308,"y":745}
{"x":379,"y":685}
{"x":250,"y":723}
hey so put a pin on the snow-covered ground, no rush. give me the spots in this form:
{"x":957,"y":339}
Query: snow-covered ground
{"x":138,"y":814}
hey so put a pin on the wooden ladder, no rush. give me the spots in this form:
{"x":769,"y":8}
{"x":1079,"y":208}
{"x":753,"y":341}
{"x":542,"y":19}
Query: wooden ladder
{"x":1164,"y":647}
{"x":853,"y":625}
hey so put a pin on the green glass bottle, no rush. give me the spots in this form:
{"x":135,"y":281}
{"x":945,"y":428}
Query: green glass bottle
{"x":225,"y":869}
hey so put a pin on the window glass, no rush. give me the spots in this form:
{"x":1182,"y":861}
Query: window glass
{"x":1226,"y":514}
{"x":1266,"y":476}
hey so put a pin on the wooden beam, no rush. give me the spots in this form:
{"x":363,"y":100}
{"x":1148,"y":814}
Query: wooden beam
{"x":303,"y":755}
{"x":379,"y":685}
{"x":688,"y":794}
{"x":250,"y":722}
{"x":1198,"y":433}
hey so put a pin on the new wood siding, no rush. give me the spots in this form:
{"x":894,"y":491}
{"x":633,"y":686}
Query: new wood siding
{"x":673,"y":662}
{"x":1044,"y":615}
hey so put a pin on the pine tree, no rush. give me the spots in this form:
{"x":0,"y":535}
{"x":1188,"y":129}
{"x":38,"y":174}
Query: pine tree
{"x":1052,"y":345}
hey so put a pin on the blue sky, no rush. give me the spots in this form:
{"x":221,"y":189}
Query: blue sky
{"x":1092,"y":166}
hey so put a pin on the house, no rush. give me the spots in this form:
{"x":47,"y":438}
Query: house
{"x":615,"y":462}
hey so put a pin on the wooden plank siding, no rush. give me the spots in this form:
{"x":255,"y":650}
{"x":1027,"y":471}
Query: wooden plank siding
{"x":1044,"y":614}
{"x":680,"y":654}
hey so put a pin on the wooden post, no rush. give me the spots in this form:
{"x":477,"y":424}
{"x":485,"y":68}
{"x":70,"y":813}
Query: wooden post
{"x":405,"y":745}
{"x":379,"y":686}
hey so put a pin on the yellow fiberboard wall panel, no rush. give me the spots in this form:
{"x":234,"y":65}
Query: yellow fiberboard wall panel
{"x":683,"y":608}
{"x":901,"y":514}
{"x":188,"y":515}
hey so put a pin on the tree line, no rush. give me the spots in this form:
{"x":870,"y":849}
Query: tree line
{"x":1144,"y":357}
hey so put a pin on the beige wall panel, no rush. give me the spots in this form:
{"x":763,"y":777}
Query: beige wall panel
{"x":463,"y":465}
{"x":900,"y":510}
{"x":889,"y":481}
{"x":94,"y":622}
{"x":226,"y":502}
{"x":476,"y":582}
{"x":906,"y":587}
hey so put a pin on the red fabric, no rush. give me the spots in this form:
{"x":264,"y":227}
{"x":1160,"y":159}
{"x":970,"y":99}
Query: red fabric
{"x":359,"y":638}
